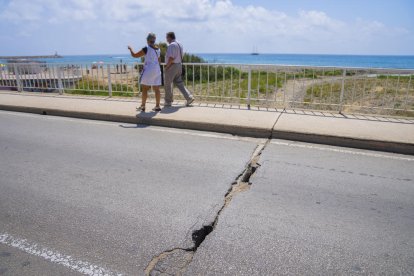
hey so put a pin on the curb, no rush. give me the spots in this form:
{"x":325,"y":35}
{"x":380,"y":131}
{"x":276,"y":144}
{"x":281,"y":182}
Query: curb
{"x":385,"y":146}
{"x":201,"y":126}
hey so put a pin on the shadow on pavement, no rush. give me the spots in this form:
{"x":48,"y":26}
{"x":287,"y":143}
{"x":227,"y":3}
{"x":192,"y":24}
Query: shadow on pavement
{"x":134,"y":126}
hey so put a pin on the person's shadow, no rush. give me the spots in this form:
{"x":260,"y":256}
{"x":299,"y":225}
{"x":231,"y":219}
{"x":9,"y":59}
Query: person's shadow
{"x":172,"y":109}
{"x":146,"y":116}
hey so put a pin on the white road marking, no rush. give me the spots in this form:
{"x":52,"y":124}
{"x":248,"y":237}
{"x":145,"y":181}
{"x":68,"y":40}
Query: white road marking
{"x":355,"y":152}
{"x":208,"y":134}
{"x":83,"y":267}
{"x":59,"y":118}
{"x":152,"y":128}
{"x":212,"y":135}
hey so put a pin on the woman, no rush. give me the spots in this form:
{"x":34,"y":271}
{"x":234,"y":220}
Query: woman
{"x":151,"y":75}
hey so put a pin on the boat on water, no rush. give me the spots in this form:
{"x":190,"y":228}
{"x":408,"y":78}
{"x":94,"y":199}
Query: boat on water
{"x":255,"y":52}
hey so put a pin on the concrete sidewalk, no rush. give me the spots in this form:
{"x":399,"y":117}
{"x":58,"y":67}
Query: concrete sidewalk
{"x":366,"y":132}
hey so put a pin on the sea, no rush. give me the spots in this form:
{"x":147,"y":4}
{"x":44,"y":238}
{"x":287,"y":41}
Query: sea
{"x":364,"y":61}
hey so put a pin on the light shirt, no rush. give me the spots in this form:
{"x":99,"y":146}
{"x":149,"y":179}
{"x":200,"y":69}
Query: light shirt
{"x":174,"y":51}
{"x":151,"y":55}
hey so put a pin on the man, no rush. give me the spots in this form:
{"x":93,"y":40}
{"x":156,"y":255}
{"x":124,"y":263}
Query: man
{"x":173,"y":71}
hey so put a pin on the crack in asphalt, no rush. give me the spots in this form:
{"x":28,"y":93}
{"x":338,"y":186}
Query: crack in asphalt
{"x":175,"y":261}
{"x":170,"y":262}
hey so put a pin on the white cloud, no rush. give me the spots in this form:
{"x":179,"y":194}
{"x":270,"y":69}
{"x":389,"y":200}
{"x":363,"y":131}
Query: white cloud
{"x":20,"y":10}
{"x":204,"y":25}
{"x":317,"y":18}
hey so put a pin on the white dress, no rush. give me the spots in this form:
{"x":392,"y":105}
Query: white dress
{"x":151,"y":75}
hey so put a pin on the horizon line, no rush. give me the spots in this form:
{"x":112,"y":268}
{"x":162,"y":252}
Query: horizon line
{"x":232,"y":53}
{"x":228,"y":53}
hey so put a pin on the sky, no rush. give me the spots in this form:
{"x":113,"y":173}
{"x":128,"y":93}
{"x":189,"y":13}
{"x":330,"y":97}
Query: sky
{"x":77,"y":27}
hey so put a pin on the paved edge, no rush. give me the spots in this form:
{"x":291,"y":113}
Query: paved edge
{"x":202,"y":126}
{"x":386,"y":146}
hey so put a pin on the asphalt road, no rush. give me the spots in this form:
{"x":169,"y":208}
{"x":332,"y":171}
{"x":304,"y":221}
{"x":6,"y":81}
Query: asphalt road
{"x":80,"y":196}
{"x":109,"y":195}
{"x":317,"y":210}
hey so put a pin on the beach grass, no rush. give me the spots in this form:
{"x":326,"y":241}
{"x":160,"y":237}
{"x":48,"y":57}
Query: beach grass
{"x":383,"y":93}
{"x":91,"y":86}
{"x":318,"y":89}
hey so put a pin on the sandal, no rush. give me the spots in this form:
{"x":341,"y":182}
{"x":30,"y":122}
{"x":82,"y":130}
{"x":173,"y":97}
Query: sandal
{"x":156,"y":109}
{"x":141,"y":108}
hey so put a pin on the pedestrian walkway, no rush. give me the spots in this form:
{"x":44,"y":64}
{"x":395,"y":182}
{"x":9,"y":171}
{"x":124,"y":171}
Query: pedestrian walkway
{"x":359,"y":131}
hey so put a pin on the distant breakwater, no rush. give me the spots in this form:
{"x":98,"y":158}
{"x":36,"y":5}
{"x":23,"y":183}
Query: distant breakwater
{"x":29,"y":57}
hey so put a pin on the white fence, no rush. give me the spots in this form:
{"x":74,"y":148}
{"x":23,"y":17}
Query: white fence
{"x":339,"y":89}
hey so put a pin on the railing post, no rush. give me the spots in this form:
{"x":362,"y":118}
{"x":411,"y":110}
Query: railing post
{"x":60,"y":83}
{"x":341,"y":98}
{"x":17,"y":76}
{"x":406,"y":94}
{"x":109,"y":80}
{"x":249,"y":87}
{"x":284,"y":90}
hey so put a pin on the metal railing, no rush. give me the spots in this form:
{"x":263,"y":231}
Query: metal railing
{"x":366,"y":90}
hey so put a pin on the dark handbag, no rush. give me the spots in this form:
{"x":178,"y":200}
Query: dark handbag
{"x":162,"y":74}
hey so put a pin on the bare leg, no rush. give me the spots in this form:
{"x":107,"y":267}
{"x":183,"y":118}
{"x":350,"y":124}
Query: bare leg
{"x":144,"y":95}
